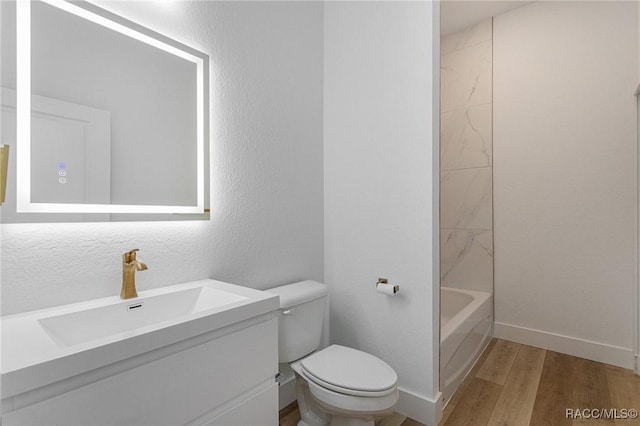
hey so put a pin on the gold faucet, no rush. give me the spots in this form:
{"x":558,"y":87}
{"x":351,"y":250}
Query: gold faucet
{"x":129,"y":266}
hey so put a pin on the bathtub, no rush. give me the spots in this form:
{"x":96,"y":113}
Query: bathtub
{"x":465,"y":321}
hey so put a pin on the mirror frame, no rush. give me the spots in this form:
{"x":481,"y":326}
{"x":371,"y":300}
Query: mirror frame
{"x":114,"y":22}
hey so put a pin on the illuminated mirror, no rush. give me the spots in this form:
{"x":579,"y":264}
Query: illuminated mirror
{"x":108,"y":117}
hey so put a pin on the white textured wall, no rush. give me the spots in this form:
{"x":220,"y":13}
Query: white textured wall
{"x":565,"y":154}
{"x":266,"y":224}
{"x":466,"y":215}
{"x":380,"y":188}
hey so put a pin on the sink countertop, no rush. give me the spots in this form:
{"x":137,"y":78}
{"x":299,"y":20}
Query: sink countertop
{"x":32,"y":357}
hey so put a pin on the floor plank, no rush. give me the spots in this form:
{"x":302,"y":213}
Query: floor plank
{"x":590,"y":389}
{"x":481,"y":360}
{"x":288,"y":409}
{"x":290,"y":419}
{"x":476,"y":404}
{"x":515,"y":404}
{"x":410,"y":422}
{"x":624,"y":389}
{"x":446,"y":413}
{"x":499,"y":361}
{"x":554,"y":394}
{"x":483,"y":356}
{"x":395,"y":419}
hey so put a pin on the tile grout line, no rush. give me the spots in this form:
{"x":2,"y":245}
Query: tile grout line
{"x":468,"y":46}
{"x":466,"y":229}
{"x":466,"y":168}
{"x":462,"y":108}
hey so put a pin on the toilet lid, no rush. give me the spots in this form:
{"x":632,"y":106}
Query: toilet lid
{"x":345,"y":369}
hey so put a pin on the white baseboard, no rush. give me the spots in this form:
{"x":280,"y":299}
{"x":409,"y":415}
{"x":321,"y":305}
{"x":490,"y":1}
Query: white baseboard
{"x":600,"y":352}
{"x":420,"y":408}
{"x":286,"y":392}
{"x":637,"y":369}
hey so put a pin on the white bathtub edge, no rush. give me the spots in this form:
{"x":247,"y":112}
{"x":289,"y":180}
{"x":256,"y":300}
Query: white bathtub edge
{"x":600,"y":352}
{"x":479,"y":298}
{"x":419,"y":407}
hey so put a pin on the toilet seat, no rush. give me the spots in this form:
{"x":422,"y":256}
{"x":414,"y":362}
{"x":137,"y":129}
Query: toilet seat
{"x":349,"y":371}
{"x":344,"y":390}
{"x":333,"y":402}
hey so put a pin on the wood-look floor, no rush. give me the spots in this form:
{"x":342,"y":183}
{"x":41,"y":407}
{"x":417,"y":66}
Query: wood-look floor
{"x":519,"y":385}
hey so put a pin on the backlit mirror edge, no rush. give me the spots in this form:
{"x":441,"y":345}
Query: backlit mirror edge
{"x":128,"y":212}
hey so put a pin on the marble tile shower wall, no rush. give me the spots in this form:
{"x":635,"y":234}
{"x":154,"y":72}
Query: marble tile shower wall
{"x":466,"y":216}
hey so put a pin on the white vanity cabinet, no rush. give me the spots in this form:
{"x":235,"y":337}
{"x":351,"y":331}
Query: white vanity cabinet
{"x":221,"y":377}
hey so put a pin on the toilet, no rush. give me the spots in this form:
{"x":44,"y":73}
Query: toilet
{"x":336,"y":386}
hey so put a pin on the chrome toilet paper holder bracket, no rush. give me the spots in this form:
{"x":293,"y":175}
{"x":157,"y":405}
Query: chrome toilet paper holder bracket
{"x":385,"y":281}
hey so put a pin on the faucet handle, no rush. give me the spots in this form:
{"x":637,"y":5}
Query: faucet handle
{"x":130,"y":256}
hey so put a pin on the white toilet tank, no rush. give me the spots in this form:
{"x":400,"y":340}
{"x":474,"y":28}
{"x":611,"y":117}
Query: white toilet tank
{"x":301,"y":317}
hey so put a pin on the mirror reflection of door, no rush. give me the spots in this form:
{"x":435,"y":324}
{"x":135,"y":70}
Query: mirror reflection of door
{"x":149,"y":93}
{"x":70,"y":154}
{"x":70,"y":150}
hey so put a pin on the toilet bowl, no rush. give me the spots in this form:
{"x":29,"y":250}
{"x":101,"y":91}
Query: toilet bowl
{"x":351,"y":386}
{"x":338,"y":385}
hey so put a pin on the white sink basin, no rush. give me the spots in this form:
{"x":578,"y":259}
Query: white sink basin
{"x":49,"y":345}
{"x":126,"y":315}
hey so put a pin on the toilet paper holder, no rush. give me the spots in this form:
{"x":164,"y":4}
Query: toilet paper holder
{"x":385,"y":282}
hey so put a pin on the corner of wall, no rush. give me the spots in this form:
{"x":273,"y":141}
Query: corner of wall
{"x":435,"y":211}
{"x":377,"y":91}
{"x":420,"y":408}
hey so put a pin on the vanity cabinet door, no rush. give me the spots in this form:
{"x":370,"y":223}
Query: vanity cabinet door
{"x":256,"y":411}
{"x":189,"y":387}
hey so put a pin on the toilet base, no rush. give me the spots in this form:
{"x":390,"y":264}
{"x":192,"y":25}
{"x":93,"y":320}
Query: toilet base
{"x":302,"y":423}
{"x":342,"y":421}
{"x":351,"y":421}
{"x":314,"y":413}
{"x":310,"y":413}
{"x":345,"y":422}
